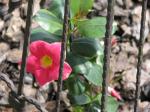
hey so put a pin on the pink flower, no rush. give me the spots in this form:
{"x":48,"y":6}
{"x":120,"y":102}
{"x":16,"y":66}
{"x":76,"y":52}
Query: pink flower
{"x":114,"y":93}
{"x":114,"y":41}
{"x":44,"y":61}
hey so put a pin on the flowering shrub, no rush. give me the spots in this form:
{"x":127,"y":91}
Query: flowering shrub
{"x":84,"y":54}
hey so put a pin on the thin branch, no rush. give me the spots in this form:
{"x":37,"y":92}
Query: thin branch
{"x":140,"y":54}
{"x":107,"y":51}
{"x":63,"y":50}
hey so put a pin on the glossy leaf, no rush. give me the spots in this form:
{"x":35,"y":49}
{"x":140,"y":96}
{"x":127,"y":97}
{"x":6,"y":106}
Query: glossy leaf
{"x":99,"y":59}
{"x":92,"y":72}
{"x":112,"y":104}
{"x":86,"y":5}
{"x":41,"y":34}
{"x":80,"y":99}
{"x":78,"y":109}
{"x":78,"y":63}
{"x":94,"y":75}
{"x":57,"y":8}
{"x":75,"y":6}
{"x":49,"y":22}
{"x":94,"y":107}
{"x":92,"y":28}
{"x":75,"y":85}
{"x":86,"y":47}
{"x":80,"y":8}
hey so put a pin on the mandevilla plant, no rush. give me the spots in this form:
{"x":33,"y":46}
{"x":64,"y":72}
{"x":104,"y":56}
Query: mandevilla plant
{"x":84,"y":53}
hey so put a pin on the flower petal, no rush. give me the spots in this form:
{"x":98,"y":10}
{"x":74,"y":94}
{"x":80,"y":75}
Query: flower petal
{"x":42,"y":76}
{"x":32,"y":64}
{"x":54,"y":72}
{"x":40,"y":48}
{"x":67,"y":71}
{"x":55,"y":49}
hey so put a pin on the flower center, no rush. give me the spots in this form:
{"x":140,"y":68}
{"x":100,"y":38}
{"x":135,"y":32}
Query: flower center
{"x":46,"y":61}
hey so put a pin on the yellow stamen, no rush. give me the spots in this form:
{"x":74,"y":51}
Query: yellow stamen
{"x":46,"y":61}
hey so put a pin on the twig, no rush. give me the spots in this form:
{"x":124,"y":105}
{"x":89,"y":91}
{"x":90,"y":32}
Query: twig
{"x":107,"y":51}
{"x":22,"y":97}
{"x":140,"y":54}
{"x":9,"y":83}
{"x":34,"y":102}
{"x":63,"y":50}
{"x":25,"y":46}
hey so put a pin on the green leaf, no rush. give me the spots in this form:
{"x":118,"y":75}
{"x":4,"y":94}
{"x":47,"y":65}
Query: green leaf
{"x":49,"y":22}
{"x":40,"y":34}
{"x":79,"y":8}
{"x":75,"y":85}
{"x":78,"y":109}
{"x":78,"y":63}
{"x":75,"y":6}
{"x":94,"y":75}
{"x":86,"y":7}
{"x":112,"y":104}
{"x":92,"y":72}
{"x":86,"y":47}
{"x":94,"y":107}
{"x":99,"y":59}
{"x":97,"y":98}
{"x":80,"y":99}
{"x":92,"y":28}
{"x":57,"y":8}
